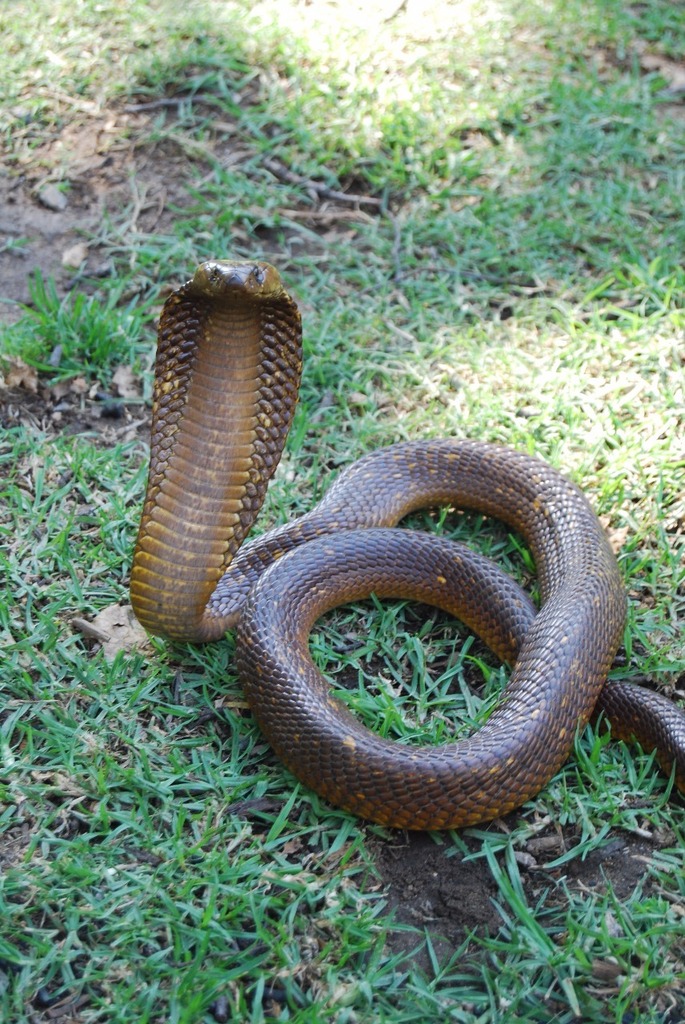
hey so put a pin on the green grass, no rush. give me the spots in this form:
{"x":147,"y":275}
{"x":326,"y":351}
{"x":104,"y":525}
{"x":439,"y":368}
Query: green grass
{"x":93,"y":335}
{"x":522,"y":282}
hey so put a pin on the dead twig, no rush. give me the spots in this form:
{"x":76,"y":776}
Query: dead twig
{"x":323,"y":191}
{"x":167,"y":101}
{"x":327,"y":216}
{"x":87,"y":629}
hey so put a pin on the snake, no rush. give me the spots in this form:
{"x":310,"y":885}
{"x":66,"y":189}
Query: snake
{"x":226,"y":384}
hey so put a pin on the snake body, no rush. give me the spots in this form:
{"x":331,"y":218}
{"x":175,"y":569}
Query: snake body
{"x":226,"y":385}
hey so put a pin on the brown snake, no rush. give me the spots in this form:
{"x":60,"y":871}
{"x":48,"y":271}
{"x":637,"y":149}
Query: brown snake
{"x":226,"y":385}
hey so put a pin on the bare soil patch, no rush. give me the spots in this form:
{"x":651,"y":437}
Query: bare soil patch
{"x":54,"y":206}
{"x":433,"y":887}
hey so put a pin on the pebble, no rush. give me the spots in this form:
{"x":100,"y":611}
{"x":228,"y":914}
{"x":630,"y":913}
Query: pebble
{"x":53,"y":198}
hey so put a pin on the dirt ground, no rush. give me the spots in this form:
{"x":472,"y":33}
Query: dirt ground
{"x":429,"y":886}
{"x":51,"y":231}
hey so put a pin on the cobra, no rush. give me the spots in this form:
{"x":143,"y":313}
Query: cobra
{"x":226,"y":384}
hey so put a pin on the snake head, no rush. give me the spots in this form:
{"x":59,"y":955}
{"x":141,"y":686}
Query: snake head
{"x":225,"y":279}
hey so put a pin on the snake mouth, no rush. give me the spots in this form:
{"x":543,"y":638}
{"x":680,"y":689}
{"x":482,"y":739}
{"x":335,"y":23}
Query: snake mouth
{"x":224,"y":279}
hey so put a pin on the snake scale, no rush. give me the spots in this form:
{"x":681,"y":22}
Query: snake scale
{"x":226,"y":384}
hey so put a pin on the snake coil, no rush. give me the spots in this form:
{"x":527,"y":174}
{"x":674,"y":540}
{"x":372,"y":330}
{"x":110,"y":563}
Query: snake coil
{"x":226,"y":385}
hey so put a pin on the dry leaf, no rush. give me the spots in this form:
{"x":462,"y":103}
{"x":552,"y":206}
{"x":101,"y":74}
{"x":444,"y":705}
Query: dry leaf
{"x":17,"y":374}
{"x":606,"y":969}
{"x":117,"y":628}
{"x":612,"y":926}
{"x":72,"y":386}
{"x":75,"y":255}
{"x":125,"y":383}
{"x":671,"y":71}
{"x":60,"y":781}
{"x":526,"y":860}
{"x":292,"y":847}
{"x":617,"y":537}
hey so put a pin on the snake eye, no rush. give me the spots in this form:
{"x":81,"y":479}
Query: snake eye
{"x":259,"y":274}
